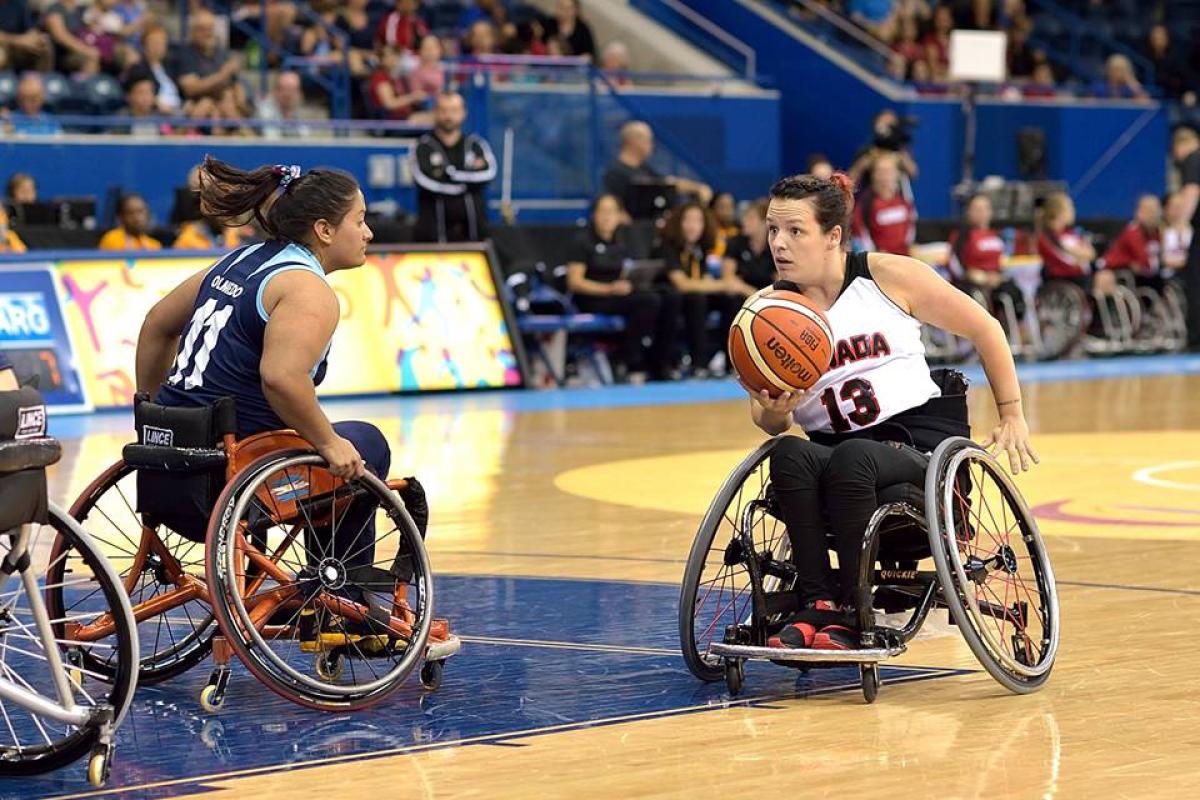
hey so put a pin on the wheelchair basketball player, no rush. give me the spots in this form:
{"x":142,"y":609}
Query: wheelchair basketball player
{"x":874,"y":416}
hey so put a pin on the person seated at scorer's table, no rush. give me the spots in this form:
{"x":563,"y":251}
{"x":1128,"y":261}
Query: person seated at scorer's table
{"x":724,"y":210}
{"x":976,"y":251}
{"x":596,"y":276}
{"x":689,"y":240}
{"x":9,"y":241}
{"x":748,"y":265}
{"x":1138,"y":250}
{"x":884,"y":219}
{"x":133,"y":222}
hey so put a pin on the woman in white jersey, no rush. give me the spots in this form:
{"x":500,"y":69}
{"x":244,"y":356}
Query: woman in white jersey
{"x":875,"y":303}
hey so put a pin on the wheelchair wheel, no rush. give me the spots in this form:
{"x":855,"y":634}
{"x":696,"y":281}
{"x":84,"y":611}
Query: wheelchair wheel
{"x":1063,"y":314}
{"x":992,"y":564}
{"x":717,"y":586}
{"x":171,"y":642}
{"x":281,"y":594}
{"x":33,"y":742}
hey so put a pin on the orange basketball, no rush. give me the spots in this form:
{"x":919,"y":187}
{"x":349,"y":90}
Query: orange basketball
{"x":780,"y":341}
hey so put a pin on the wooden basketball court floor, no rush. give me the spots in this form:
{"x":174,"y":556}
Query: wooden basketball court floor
{"x":561,"y":521}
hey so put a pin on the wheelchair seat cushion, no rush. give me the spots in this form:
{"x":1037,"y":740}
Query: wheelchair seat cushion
{"x":177,"y":489}
{"x":25,"y":452}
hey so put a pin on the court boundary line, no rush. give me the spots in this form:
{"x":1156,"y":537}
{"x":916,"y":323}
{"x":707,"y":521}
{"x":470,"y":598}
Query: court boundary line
{"x":758,"y":701}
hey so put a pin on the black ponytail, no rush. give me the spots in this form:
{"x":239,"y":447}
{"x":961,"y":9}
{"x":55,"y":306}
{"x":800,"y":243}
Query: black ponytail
{"x":285,"y":205}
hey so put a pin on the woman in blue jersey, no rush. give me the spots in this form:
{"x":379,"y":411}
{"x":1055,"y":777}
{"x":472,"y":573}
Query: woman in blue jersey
{"x":874,"y":415}
{"x":257,"y":325}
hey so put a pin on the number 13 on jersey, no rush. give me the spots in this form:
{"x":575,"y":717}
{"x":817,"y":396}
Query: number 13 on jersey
{"x":861,"y":395}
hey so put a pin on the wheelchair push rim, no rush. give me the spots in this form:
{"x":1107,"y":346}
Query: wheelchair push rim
{"x":716,"y":593}
{"x":996,"y":576}
{"x":241,"y":617}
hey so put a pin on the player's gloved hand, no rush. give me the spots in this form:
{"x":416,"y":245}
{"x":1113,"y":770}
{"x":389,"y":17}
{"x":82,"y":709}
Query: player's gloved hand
{"x":343,"y":459}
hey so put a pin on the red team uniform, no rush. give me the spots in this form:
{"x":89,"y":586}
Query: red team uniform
{"x":1137,"y":249}
{"x":1057,"y":262}
{"x":983,"y":249}
{"x":884,"y":226}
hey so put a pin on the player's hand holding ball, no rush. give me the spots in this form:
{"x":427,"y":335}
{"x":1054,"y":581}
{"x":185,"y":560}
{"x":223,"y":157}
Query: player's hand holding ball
{"x":780,"y":344}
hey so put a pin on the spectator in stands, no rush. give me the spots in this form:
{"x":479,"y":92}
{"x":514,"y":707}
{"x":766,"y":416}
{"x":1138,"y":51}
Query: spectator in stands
{"x":1138,"y":250}
{"x":819,"y":166}
{"x":1177,"y":235}
{"x":284,"y":104}
{"x":280,"y":26}
{"x":319,"y":41}
{"x":889,"y":135}
{"x":153,"y":64}
{"x":567,"y":27}
{"x":9,"y":241}
{"x":390,"y":91}
{"x":108,"y":33}
{"x":133,"y":224}
{"x":614,"y":61}
{"x":21,"y":189}
{"x":874,"y":15}
{"x":481,"y":39}
{"x":884,"y":219}
{"x":937,"y":43}
{"x":597,"y":277}
{"x":355,"y":21}
{"x":1067,"y":254}
{"x":429,"y":76}
{"x":1185,"y":150}
{"x":140,"y":108}
{"x":748,"y":264}
{"x":493,"y":11}
{"x":402,"y":27}
{"x":22,"y":47}
{"x":30,"y":119}
{"x":694,"y":269}
{"x":906,"y":43}
{"x":451,"y":170}
{"x":1023,"y":58}
{"x":630,"y":167}
{"x":976,"y":253}
{"x":208,"y":72}
{"x":1042,"y":83}
{"x":64,"y":23}
{"x":1170,"y":71}
{"x":1119,"y":80}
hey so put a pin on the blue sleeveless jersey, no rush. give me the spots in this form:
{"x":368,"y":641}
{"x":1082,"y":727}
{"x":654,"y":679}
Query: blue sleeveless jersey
{"x":220,"y":350}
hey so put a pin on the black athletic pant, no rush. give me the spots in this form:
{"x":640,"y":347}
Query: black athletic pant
{"x":1191,"y":287}
{"x":696,"y":308}
{"x":836,"y":486}
{"x":648,"y":313}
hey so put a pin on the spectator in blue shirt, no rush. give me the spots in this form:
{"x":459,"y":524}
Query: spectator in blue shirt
{"x":1119,"y":81}
{"x":30,"y":119}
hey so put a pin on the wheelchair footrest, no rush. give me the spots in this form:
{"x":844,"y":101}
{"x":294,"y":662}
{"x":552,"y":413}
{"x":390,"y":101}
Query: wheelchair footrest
{"x":438,"y":651}
{"x":864,"y":656}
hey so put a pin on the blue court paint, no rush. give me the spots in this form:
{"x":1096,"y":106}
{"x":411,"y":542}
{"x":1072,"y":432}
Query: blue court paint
{"x":559,"y":655}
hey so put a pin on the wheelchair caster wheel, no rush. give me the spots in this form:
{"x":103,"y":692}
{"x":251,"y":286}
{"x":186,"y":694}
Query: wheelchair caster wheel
{"x":431,"y":675}
{"x":330,"y":666}
{"x":870,"y":681}
{"x":735,"y":676}
{"x":212,"y":696}
{"x":99,"y":764}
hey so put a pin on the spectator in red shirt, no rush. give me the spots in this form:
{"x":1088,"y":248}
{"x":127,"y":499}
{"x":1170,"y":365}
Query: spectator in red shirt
{"x":402,"y":27}
{"x":884,"y":219}
{"x":1066,"y":254}
{"x":1138,"y":249}
{"x":937,"y":42}
{"x":976,"y":250}
{"x":390,"y":91}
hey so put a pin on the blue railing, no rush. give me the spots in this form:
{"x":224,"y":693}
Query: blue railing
{"x":702,"y":33}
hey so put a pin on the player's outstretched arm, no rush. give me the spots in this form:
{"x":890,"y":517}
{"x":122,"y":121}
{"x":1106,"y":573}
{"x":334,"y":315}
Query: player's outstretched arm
{"x":924,"y":294}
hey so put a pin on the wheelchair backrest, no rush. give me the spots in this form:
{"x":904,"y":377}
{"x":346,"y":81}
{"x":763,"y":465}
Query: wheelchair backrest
{"x":180,"y":469}
{"x":25,"y":452}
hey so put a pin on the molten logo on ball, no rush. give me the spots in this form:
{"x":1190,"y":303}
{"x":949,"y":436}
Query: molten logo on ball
{"x":788,"y":362}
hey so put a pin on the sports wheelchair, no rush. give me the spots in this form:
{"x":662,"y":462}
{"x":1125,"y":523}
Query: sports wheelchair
{"x":227,"y":546}
{"x":990,"y":569}
{"x":54,"y":708}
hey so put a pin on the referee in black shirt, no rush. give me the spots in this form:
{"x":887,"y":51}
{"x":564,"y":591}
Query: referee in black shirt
{"x":452,"y":172}
{"x":1185,"y":147}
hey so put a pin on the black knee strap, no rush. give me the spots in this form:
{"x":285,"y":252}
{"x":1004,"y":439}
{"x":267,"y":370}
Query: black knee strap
{"x":8,"y":566}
